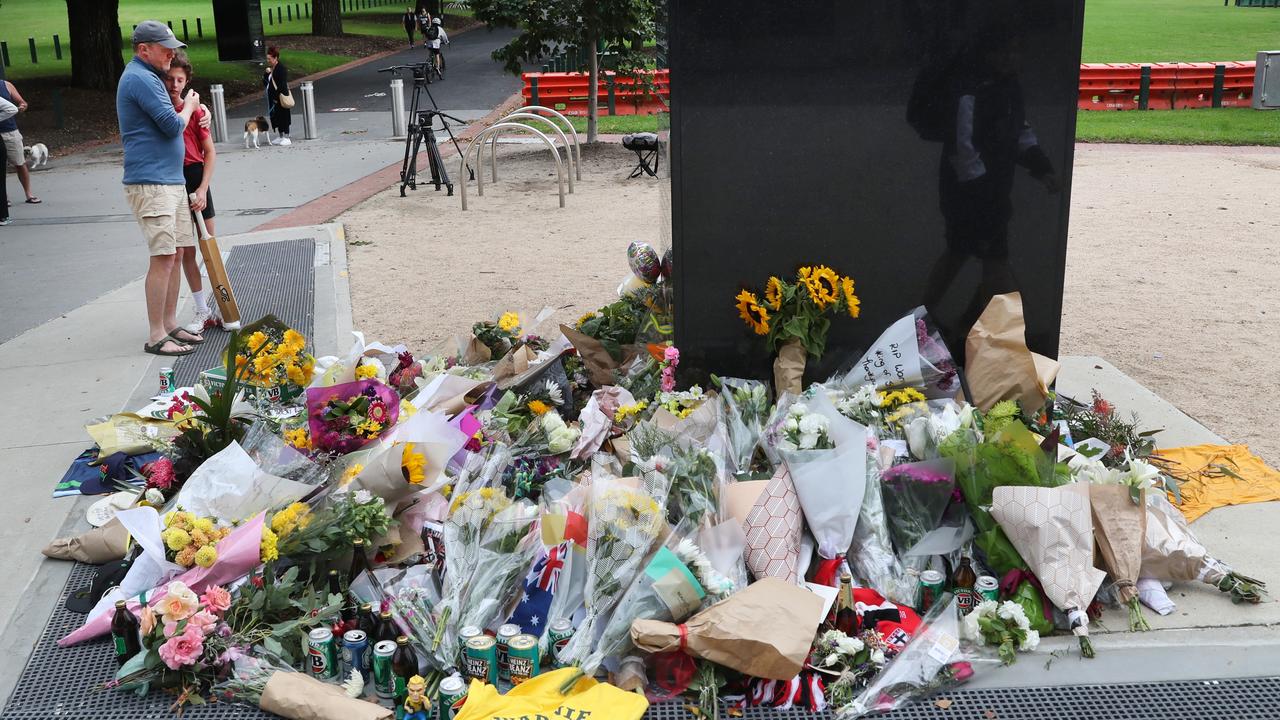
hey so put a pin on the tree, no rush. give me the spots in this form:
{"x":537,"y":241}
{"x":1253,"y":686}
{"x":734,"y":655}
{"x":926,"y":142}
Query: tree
{"x":326,"y":17}
{"x":96,"y":45}
{"x":546,"y":25}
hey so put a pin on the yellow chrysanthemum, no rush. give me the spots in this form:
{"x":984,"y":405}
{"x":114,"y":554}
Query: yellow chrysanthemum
{"x":295,"y":374}
{"x":298,"y":438}
{"x":413,"y":465}
{"x":262,"y":364}
{"x":206,"y":556}
{"x":204,"y":525}
{"x":851,"y":301}
{"x":773,"y":293}
{"x":257,"y":340}
{"x":176,"y":538}
{"x":199,"y":538}
{"x":751,"y":312}
{"x":366,"y":371}
{"x":537,"y":407}
{"x":269,"y":551}
{"x":186,"y":557}
{"x":822,"y":283}
{"x":351,"y":474}
{"x":293,"y":341}
{"x":509,"y":322}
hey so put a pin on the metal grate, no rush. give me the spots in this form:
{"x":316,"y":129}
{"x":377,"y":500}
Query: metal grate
{"x":275,"y":277}
{"x":60,"y":682}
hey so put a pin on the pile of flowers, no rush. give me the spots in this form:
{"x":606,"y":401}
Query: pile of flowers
{"x":191,"y":540}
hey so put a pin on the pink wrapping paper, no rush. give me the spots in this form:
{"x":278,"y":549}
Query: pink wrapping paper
{"x":326,"y":439}
{"x":238,"y":553}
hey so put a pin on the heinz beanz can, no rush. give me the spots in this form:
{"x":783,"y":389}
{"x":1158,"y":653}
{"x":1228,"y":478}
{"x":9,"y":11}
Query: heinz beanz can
{"x":522,"y":658}
{"x":453,"y":693}
{"x":480,"y":659}
{"x":355,"y":648}
{"x":384,"y":681}
{"x":323,"y":653}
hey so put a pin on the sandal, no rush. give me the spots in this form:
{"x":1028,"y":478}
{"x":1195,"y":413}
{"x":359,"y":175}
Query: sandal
{"x":33,"y":200}
{"x":157,"y":347}
{"x":191,"y":339}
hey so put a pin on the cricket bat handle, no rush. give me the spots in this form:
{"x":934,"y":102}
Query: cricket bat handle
{"x":221,"y":284}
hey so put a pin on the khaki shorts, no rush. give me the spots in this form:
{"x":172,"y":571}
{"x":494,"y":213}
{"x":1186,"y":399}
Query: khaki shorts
{"x":164,"y":214}
{"x":13,"y":147}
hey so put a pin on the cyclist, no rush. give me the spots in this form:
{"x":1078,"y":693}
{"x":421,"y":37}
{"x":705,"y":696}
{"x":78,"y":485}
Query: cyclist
{"x":435,"y":37}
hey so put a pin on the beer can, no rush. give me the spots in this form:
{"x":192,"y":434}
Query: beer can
{"x":167,"y":384}
{"x":466,"y":633}
{"x":505,"y":633}
{"x":355,"y":652}
{"x":988,"y":588}
{"x":522,"y":658}
{"x":323,"y":653}
{"x":480,"y":659}
{"x":453,"y":693}
{"x":384,"y":681}
{"x":932,"y":585}
{"x":558,"y":635}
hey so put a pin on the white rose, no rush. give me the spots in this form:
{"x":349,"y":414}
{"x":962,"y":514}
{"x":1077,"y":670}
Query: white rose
{"x":363,"y":496}
{"x":830,"y":660}
{"x":969,"y":627}
{"x":812,"y":424}
{"x":791,"y":425}
{"x":798,"y":409}
{"x":877,"y":656}
{"x":154,"y":496}
{"x":808,"y":441}
{"x":1030,"y":642}
{"x":850,"y":645}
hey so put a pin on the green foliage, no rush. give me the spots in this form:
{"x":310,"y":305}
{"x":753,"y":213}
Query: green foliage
{"x":274,"y":612}
{"x":215,"y":427}
{"x":1207,"y":126}
{"x":546,"y":25}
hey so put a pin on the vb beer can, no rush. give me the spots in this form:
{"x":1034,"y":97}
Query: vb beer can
{"x":453,"y":693}
{"x":322,"y":653}
{"x":167,"y":384}
{"x":558,"y":635}
{"x":988,"y":588}
{"x":384,"y":681}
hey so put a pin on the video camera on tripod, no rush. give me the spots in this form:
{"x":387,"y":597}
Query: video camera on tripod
{"x":421,"y":130}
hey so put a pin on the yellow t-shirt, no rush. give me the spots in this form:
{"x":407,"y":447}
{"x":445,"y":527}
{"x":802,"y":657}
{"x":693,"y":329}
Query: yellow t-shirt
{"x":539,"y":699}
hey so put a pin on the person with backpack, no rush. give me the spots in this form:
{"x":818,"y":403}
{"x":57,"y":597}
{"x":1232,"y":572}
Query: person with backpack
{"x":435,"y":37}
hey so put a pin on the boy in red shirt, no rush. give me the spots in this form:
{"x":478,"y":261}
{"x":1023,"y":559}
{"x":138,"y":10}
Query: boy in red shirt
{"x":197,"y":167}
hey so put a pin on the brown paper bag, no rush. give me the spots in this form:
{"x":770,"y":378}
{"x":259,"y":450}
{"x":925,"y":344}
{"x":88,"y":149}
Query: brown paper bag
{"x":997,"y":362}
{"x":1118,"y":528}
{"x":599,"y":363}
{"x":298,"y":696}
{"x":764,"y":631}
{"x":476,"y":352}
{"x":98,"y":546}
{"x":788,"y":368}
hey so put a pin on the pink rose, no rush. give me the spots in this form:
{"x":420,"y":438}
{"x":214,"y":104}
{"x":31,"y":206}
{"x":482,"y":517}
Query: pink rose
{"x":216,"y":598}
{"x":205,"y":620}
{"x":668,"y":379}
{"x":148,"y":620}
{"x":671,"y":355}
{"x":184,"y":649}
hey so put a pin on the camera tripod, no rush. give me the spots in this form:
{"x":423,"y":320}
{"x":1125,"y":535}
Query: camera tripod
{"x":421,"y":131}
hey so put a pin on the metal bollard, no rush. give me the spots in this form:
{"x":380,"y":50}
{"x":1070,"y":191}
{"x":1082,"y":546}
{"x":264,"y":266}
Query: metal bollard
{"x":218,"y":106}
{"x":308,"y":111}
{"x":399,"y":126}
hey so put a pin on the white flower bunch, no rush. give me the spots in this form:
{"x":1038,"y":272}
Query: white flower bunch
{"x":861,"y":405}
{"x":1004,"y":624}
{"x":711,"y":579}
{"x":560,"y":437}
{"x":803,"y":430}
{"x":1138,"y":474}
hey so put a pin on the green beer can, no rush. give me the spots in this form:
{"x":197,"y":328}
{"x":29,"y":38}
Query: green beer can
{"x":384,"y":681}
{"x":453,"y":693}
{"x":558,"y":635}
{"x":988,"y":588}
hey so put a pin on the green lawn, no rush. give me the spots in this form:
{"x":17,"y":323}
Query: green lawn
{"x":1223,"y":126}
{"x":607,"y":124}
{"x":42,"y":19}
{"x":1176,"y":31}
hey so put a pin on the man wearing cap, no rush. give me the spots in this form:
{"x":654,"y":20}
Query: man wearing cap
{"x":151,"y":131}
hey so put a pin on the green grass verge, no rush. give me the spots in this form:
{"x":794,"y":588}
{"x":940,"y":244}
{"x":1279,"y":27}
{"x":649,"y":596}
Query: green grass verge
{"x":1222,"y":126}
{"x":42,"y":19}
{"x":606,"y":124}
{"x":1176,"y":31}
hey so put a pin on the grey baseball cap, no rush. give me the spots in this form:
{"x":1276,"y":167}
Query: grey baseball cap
{"x":154,"y":31}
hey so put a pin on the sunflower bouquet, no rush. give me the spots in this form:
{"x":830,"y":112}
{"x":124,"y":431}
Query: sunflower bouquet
{"x":793,"y":317}
{"x":274,"y":356}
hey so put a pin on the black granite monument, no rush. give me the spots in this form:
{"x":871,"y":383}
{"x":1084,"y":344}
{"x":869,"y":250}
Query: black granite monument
{"x":922,"y":146}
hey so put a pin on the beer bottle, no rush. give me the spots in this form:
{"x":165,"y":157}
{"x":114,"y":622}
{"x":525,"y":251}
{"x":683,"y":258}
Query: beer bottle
{"x":386,"y":627}
{"x":125,"y":633}
{"x":962,"y":582}
{"x":404,"y":665}
{"x":359,"y":561}
{"x":368,"y":622}
{"x":846,"y":615}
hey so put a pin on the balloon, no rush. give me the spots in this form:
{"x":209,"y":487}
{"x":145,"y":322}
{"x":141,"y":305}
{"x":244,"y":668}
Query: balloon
{"x":644,"y":261}
{"x":666,"y":264}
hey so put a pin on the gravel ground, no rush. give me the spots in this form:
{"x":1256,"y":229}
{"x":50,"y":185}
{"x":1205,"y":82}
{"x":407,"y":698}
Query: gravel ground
{"x":1171,"y":271}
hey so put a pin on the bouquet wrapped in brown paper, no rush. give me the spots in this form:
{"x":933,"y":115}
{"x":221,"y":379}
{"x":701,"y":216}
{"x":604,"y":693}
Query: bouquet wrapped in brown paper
{"x":764,"y":631}
{"x":1053,"y":531}
{"x":268,"y":683}
{"x":1119,"y":522}
{"x":999,"y":365}
{"x":1171,"y":552}
{"x":97,"y":546}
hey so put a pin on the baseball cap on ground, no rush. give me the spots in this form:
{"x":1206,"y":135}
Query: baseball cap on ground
{"x":154,"y":31}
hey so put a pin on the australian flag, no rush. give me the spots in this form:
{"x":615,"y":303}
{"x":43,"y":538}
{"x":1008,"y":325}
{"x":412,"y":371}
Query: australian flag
{"x":539,"y":589}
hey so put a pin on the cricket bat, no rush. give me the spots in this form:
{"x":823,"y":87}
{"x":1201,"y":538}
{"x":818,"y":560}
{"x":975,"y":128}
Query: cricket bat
{"x":220,"y":284}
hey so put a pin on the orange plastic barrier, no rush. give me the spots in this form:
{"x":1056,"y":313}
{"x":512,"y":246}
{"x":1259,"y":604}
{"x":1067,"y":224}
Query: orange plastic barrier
{"x":567,"y":92}
{"x":1118,"y":86}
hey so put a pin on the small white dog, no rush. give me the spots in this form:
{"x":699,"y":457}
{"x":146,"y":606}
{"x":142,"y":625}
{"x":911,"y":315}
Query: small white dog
{"x":36,"y":155}
{"x":253,"y":128}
